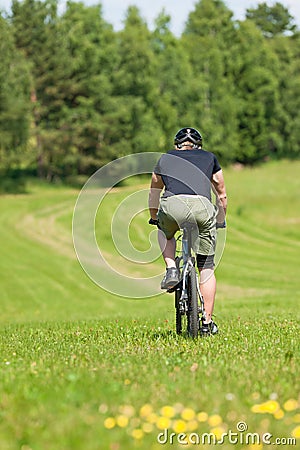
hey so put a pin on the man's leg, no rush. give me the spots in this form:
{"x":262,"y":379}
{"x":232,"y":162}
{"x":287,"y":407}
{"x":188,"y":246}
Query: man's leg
{"x":208,"y":291}
{"x":168,"y":249}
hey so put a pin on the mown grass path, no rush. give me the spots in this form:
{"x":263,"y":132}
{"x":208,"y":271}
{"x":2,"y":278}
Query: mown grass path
{"x":83,"y":369}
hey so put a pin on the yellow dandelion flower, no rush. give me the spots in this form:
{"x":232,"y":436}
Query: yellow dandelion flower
{"x":168,"y":411}
{"x":163,"y":422}
{"x":279,"y":414}
{"x":215,"y":420}
{"x":256,"y":409}
{"x":127,"y":382}
{"x":296,"y":432}
{"x":255,"y":446}
{"x":192,"y":425}
{"x":179,"y":426}
{"x":291,"y":405}
{"x":296,"y":418}
{"x":151,"y":418}
{"x":109,"y":423}
{"x":122,"y":421}
{"x":137,"y":433}
{"x":270,"y":407}
{"x":147,"y":427}
{"x":218,"y":432}
{"x":202,"y":416}
{"x":188,"y":414}
{"x":146,"y":410}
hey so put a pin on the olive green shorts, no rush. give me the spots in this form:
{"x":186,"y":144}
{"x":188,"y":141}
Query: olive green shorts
{"x":177,"y":209}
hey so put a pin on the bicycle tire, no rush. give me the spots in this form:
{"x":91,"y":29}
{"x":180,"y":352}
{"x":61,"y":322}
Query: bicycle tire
{"x":178,"y":313}
{"x":193,"y":310}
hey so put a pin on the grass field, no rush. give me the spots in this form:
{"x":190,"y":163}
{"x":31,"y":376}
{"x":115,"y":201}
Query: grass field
{"x":83,"y":369}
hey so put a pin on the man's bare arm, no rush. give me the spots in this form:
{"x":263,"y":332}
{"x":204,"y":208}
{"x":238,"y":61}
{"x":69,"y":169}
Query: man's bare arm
{"x":219,"y":184}
{"x":156,"y":187}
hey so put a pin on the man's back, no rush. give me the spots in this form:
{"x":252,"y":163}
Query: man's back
{"x":187,"y":172}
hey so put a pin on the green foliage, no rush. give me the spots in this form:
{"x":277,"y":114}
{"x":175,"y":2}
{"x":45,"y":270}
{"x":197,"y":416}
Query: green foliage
{"x":257,"y":80}
{"x":15,"y":82}
{"x":210,"y":38}
{"x":91,"y":49}
{"x":271,"y":20}
{"x":75,"y":94}
{"x":135,"y":90}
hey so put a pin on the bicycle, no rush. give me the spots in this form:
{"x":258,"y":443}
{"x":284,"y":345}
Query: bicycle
{"x":189,"y":303}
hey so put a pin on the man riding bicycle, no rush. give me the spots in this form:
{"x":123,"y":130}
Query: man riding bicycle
{"x":187,"y":174}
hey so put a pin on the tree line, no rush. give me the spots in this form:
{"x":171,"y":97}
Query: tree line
{"x":75,"y":94}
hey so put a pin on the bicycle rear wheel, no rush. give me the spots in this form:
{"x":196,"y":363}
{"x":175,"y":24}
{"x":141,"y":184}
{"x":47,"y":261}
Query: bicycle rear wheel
{"x":178,"y":291}
{"x":178,"y":312}
{"x":193,"y":310}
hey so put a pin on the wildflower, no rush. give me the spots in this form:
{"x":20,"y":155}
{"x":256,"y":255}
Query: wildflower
{"x":188,"y":414}
{"x":192,"y":425}
{"x":147,"y":427}
{"x":178,"y":407}
{"x":163,"y":422}
{"x":168,"y":411}
{"x":279,"y":414}
{"x":146,"y":410}
{"x":255,"y":446}
{"x":270,"y":407}
{"x":202,"y":416}
{"x":296,"y":418}
{"x":257,"y":408}
{"x":296,"y":432}
{"x":137,"y":433}
{"x":109,"y":423}
{"x":291,"y":404}
{"x":218,"y":432}
{"x":122,"y":421}
{"x":103,"y":408}
{"x":127,"y":410}
{"x":215,"y":420}
{"x":151,"y":418}
{"x":179,"y":426}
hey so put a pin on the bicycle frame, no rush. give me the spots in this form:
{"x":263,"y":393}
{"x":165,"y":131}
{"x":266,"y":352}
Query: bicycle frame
{"x":182,"y":301}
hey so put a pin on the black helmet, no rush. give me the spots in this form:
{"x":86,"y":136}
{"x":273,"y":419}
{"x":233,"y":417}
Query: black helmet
{"x":188,"y":135}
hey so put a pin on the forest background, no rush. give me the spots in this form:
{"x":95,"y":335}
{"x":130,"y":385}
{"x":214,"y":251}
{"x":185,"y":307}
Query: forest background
{"x":76,"y":94}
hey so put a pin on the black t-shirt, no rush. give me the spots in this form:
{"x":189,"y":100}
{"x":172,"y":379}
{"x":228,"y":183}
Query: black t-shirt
{"x":187,"y":172}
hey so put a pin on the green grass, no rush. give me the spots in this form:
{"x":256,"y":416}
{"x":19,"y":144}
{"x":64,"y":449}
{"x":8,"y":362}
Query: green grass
{"x":83,"y":369}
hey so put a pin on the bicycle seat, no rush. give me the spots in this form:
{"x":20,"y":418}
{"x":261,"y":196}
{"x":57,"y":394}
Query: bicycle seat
{"x":188,"y":225}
